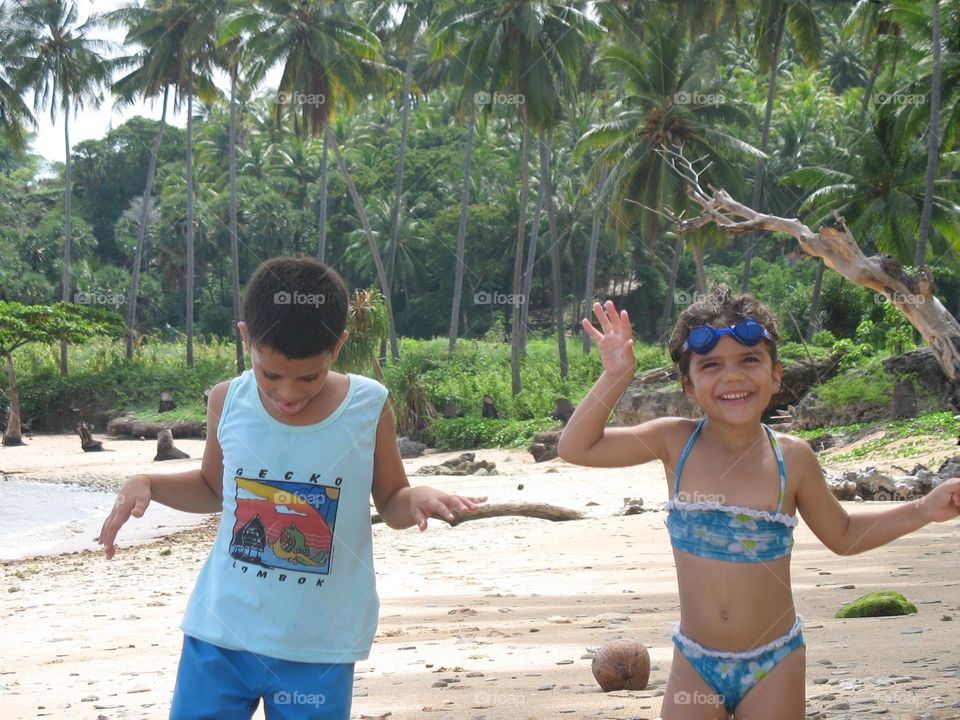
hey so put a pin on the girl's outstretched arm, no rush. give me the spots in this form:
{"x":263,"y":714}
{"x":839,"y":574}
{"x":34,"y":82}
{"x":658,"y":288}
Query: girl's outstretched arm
{"x":586,"y":439}
{"x":851,"y":533}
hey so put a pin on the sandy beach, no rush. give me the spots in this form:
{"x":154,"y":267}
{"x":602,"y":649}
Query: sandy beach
{"x":492,"y":620}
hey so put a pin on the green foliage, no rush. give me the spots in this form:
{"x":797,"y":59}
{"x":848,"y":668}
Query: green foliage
{"x":936,"y":426}
{"x":877,"y":604}
{"x":409,"y":396}
{"x":367,"y":325}
{"x":866,"y":387}
{"x":102,"y":383}
{"x":21,"y":324}
{"x":477,"y":432}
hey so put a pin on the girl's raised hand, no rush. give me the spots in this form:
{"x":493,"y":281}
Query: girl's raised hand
{"x":614,"y":339}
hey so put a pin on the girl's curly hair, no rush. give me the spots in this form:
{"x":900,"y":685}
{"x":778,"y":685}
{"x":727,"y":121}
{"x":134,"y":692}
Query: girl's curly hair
{"x":720,"y":308}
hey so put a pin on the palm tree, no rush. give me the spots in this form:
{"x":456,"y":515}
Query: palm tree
{"x":326,"y":57}
{"x":933,"y":138}
{"x":405,"y":20}
{"x":774,"y":19}
{"x":62,"y":66}
{"x":14,"y":113}
{"x":233,"y":58}
{"x":157,"y":67}
{"x":196,"y":27}
{"x":448,"y":42}
{"x":522,"y":53}
{"x":880,"y":35}
{"x":881,"y":196}
{"x":670,"y":104}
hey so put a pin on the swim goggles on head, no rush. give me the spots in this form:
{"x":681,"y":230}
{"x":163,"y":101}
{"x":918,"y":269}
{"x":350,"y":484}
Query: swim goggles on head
{"x":746,"y":331}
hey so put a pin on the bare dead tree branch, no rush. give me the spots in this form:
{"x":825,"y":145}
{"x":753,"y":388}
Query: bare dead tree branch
{"x":835,"y":245}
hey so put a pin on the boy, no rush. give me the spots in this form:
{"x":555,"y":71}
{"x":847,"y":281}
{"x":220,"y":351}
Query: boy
{"x":286,"y":602}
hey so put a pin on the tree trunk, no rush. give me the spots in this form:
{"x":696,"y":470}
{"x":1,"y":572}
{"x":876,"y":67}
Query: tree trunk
{"x":698,"y":253}
{"x":761,"y":168}
{"x":142,"y":229}
{"x":67,"y":223}
{"x":588,"y":289}
{"x":191,"y":271}
{"x":530,"y":262}
{"x":545,"y":180}
{"x":234,"y":239}
{"x":13,"y":435}
{"x":933,"y":141}
{"x":671,"y":288}
{"x":517,"y":385}
{"x":462,"y":233}
{"x":398,"y":187}
{"x":401,"y":160}
{"x":813,"y":322}
{"x":868,"y":91}
{"x":374,"y":251}
{"x":322,"y":220}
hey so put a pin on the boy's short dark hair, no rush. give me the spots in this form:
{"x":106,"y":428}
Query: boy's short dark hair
{"x":720,"y":308}
{"x":296,"y":306}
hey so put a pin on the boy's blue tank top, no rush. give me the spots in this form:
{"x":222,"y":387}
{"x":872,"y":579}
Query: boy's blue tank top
{"x":290,"y":574}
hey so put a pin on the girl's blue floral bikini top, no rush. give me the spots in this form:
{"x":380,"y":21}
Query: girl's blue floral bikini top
{"x":726,"y":532}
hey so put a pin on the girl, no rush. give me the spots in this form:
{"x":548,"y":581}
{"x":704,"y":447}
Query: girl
{"x":736,"y":488}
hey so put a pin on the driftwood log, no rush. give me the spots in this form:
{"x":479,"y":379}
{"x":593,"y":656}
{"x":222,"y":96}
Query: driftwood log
{"x":139,"y":428}
{"x":541,"y":511}
{"x":912,"y":293}
{"x":166,"y":449}
{"x":87,"y":443}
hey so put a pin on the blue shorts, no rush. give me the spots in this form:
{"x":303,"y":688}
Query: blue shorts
{"x":214,"y":683}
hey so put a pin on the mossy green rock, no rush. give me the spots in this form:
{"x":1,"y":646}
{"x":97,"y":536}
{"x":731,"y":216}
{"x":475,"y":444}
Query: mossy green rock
{"x":877,"y":604}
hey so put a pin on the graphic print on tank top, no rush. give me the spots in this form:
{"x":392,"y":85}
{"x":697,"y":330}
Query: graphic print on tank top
{"x":282,"y":524}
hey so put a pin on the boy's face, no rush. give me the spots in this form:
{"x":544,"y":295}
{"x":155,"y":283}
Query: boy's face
{"x":288,"y":386}
{"x":733,"y":382}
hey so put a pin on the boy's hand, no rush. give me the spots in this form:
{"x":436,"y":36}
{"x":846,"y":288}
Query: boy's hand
{"x":133,"y":499}
{"x":943,"y":502}
{"x":427,"y":502}
{"x":615,"y":342}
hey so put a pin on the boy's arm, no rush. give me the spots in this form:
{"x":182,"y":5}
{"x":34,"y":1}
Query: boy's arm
{"x":851,"y":533}
{"x":198,"y":491}
{"x":399,"y":505}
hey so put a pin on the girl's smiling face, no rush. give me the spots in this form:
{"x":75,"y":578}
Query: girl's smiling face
{"x":733,"y":382}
